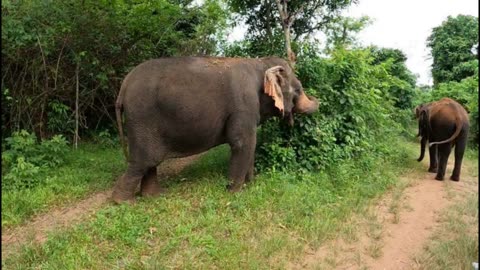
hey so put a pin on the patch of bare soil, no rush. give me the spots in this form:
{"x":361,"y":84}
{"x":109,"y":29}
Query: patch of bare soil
{"x":395,"y":229}
{"x":37,"y":229}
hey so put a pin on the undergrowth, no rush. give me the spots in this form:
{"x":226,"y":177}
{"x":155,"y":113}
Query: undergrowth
{"x":197,"y":224}
{"x":89,"y":168}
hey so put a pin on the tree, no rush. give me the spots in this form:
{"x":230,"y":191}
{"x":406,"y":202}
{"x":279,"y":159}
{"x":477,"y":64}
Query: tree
{"x":403,"y":89}
{"x":45,"y":40}
{"x":296,"y":19}
{"x":453,"y":48}
{"x":341,"y":31}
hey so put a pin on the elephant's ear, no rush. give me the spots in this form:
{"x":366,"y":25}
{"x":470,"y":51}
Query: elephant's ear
{"x":424,"y":123}
{"x":417,"y":111}
{"x":272,"y":81}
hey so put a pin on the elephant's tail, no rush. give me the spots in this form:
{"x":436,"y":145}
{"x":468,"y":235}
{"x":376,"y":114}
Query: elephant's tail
{"x":458,"y":124}
{"x":118,"y":113}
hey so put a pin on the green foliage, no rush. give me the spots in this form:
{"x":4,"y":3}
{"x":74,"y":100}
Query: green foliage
{"x":341,"y":31}
{"x":451,"y":47}
{"x":402,"y":90}
{"x":23,"y":159}
{"x":106,"y":138}
{"x":356,"y":113}
{"x":265,"y":35}
{"x":60,"y":118}
{"x":45,"y":41}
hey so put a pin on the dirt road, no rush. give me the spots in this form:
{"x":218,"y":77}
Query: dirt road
{"x":396,"y":228}
{"x":39,"y":227}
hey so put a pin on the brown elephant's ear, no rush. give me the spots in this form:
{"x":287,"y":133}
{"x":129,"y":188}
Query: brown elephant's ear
{"x":272,"y":81}
{"x":418,"y":110}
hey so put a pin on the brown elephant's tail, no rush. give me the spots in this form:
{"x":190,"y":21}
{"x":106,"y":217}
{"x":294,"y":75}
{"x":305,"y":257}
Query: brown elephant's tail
{"x":118,"y":113}
{"x":458,"y":123}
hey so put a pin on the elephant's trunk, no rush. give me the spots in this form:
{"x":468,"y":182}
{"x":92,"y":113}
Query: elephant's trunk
{"x":306,"y":104}
{"x":423,"y":143}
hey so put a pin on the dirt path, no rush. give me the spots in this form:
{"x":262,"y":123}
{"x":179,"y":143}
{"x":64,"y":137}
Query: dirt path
{"x":37,"y":229}
{"x":396,"y":228}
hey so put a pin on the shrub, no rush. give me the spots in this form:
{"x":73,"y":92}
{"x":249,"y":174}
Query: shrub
{"x":355,"y":115}
{"x":23,"y":158}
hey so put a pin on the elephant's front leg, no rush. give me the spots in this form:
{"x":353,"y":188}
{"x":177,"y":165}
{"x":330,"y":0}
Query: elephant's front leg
{"x":242,"y":140}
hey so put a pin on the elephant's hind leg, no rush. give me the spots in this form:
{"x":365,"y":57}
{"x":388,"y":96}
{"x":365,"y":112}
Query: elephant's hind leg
{"x":150,"y":187}
{"x":443,"y":153}
{"x":459,"y":151}
{"x":433,"y":159}
{"x":124,"y":190}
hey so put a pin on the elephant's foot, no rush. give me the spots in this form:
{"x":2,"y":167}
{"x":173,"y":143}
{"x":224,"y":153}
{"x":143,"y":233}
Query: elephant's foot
{"x":439,"y":178}
{"x":455,"y":178}
{"x":120,"y":197}
{"x":234,"y":187}
{"x":432,"y":170}
{"x":124,"y":191}
{"x":152,"y":190}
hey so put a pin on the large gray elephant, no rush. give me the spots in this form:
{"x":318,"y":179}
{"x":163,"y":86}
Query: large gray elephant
{"x":177,"y":107}
{"x":444,"y":124}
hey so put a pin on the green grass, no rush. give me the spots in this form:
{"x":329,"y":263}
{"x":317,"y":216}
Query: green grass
{"x":88,"y":169}
{"x":455,"y":244}
{"x":197,"y":224}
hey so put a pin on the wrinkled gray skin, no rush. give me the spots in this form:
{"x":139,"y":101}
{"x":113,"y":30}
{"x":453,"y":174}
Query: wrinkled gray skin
{"x":177,"y":107}
{"x":444,"y":124}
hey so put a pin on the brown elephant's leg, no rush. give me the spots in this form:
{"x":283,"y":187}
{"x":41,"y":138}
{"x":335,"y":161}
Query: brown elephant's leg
{"x":459,"y":151}
{"x":242,"y":139}
{"x":124,"y":190}
{"x":150,"y":186}
{"x":443,"y":153}
{"x":433,"y":159}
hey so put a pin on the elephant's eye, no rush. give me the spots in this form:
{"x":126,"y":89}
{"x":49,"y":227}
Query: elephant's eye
{"x":297,"y":91}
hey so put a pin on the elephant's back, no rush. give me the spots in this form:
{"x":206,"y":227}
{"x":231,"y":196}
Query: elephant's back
{"x":186,"y":100}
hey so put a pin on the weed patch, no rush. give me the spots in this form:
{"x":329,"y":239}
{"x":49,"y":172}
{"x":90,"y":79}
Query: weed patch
{"x":82,"y":171}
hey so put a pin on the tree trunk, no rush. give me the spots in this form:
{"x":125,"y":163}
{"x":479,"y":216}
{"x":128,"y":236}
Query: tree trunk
{"x":286,"y":22}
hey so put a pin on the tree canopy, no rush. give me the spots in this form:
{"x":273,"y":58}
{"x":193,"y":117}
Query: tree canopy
{"x":453,"y":48}
{"x":264,"y":21}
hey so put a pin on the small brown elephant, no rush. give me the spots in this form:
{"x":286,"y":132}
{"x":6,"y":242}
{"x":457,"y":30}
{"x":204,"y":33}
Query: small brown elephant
{"x":444,"y":124}
{"x":181,"y":106}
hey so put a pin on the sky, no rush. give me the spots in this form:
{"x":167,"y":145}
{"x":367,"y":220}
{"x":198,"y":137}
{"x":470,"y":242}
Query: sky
{"x":404,"y":25}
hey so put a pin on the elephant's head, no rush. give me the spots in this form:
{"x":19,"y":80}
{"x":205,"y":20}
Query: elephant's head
{"x":422,"y":115}
{"x":287,"y":92}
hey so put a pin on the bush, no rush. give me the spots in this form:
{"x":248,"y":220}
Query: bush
{"x":23,"y":158}
{"x":46,"y":42}
{"x":356,"y":114}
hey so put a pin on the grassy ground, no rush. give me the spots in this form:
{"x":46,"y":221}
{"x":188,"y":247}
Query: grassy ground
{"x":454,"y":244}
{"x":88,"y":169}
{"x":199,"y":225}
